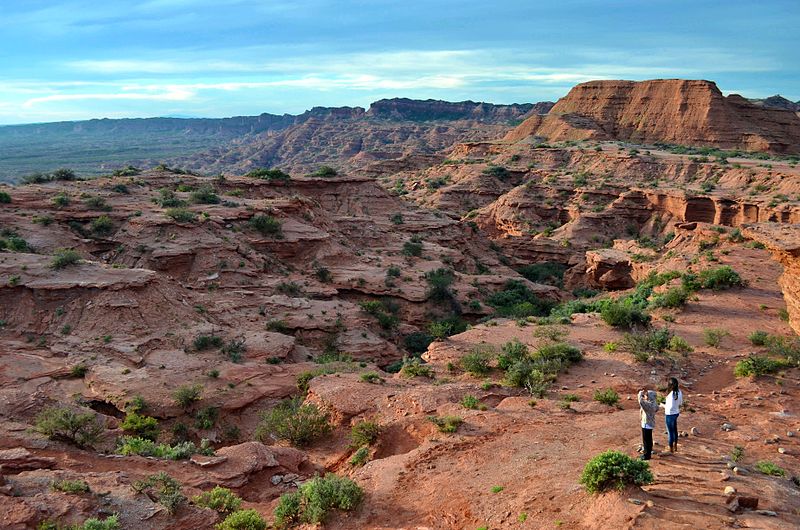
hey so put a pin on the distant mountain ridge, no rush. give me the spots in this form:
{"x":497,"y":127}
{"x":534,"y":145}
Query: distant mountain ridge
{"x":95,"y":146}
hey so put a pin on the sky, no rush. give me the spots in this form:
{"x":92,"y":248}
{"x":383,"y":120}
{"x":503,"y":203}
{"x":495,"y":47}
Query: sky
{"x":82,"y":59}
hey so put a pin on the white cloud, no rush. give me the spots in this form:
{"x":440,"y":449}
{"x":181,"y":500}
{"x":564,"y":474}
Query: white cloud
{"x":170,"y":94}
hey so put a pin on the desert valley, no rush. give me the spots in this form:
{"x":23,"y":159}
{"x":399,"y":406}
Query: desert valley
{"x":417,"y":315}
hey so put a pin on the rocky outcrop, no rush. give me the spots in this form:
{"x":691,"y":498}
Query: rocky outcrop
{"x":783,"y":241}
{"x":430,"y":109}
{"x":677,"y":111}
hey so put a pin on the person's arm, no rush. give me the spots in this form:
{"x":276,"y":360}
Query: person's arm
{"x":642,"y":401}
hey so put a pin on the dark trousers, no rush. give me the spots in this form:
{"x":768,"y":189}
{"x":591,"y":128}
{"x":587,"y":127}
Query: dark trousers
{"x":672,"y":428}
{"x":647,"y":443}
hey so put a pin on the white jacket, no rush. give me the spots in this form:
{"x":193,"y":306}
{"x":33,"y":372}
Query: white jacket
{"x":673,"y":405}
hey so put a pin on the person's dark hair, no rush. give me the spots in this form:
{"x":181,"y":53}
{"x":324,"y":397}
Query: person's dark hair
{"x":673,"y":386}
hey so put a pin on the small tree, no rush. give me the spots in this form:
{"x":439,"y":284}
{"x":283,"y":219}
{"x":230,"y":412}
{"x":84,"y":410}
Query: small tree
{"x":61,"y":423}
{"x":294,"y":421}
{"x":613,"y":469}
{"x":186,"y":395}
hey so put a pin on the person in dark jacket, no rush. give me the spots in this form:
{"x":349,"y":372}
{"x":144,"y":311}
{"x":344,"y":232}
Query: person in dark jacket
{"x":648,"y":405}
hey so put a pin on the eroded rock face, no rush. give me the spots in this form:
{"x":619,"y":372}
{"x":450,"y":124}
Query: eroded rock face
{"x":783,"y":241}
{"x":676,"y":111}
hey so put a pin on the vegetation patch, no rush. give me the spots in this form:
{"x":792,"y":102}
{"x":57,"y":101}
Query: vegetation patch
{"x":614,"y":470}
{"x":295,"y":422}
{"x":315,"y":499}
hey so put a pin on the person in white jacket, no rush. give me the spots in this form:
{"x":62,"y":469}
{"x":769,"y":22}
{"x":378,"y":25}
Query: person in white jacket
{"x":672,"y":408}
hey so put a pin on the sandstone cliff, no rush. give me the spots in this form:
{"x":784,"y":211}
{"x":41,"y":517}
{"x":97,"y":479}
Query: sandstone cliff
{"x":675,"y":111}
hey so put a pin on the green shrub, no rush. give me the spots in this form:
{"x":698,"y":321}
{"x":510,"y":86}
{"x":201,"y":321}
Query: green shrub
{"x":498,"y":172}
{"x":323,"y":274}
{"x":243,"y":520}
{"x":96,"y":203}
{"x":360,"y":457}
{"x":294,"y":421}
{"x":550,"y":273}
{"x":70,"y":486}
{"x":272,"y":175}
{"x":315,"y":499}
{"x":439,"y":282}
{"x":266,"y":225}
{"x":102,"y":226}
{"x":234,"y":349}
{"x":768,"y":468}
{"x":186,"y":395}
{"x":713,"y":336}
{"x":607,"y":396}
{"x":413,"y":367}
{"x":476,"y":362}
{"x":218,"y":499}
{"x":109,"y":523}
{"x":5,"y":198}
{"x":613,"y":469}
{"x":61,"y":423}
{"x":162,"y":487}
{"x":132,"y":445}
{"x":647,"y":344}
{"x":679,"y":345}
{"x":142,"y":426}
{"x":758,"y":338}
{"x":720,"y":278}
{"x":446,"y":424}
{"x":64,"y":174}
{"x":417,"y":342}
{"x":180,"y":215}
{"x":364,"y":433}
{"x":412,"y":247}
{"x":516,"y":300}
{"x":757,"y":365}
{"x":371,"y":377}
{"x":325,"y":172}
{"x":674,"y":298}
{"x":13,"y":242}
{"x":470,"y":402}
{"x":510,"y":353}
{"x":64,"y":257}
{"x":623,"y":315}
{"x":204,"y":195}
{"x":206,"y":417}
{"x":206,"y":342}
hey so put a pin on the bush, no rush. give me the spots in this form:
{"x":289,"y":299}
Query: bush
{"x":364,"y":433}
{"x":757,"y":365}
{"x":613,"y":469}
{"x":243,"y":520}
{"x":142,"y":426}
{"x":470,"y":402}
{"x":758,"y":338}
{"x":414,"y":367}
{"x":417,"y":342}
{"x":679,"y":345}
{"x":102,"y":226}
{"x":412,"y":247}
{"x":64,"y":174}
{"x":323,"y":274}
{"x":768,"y":468}
{"x":109,"y":523}
{"x":294,"y":421}
{"x":498,"y":172}
{"x":623,"y":315}
{"x":446,"y":424}
{"x":5,"y":198}
{"x":70,"y":486}
{"x":206,"y":417}
{"x":206,"y":342}
{"x":510,"y":353}
{"x":648,"y":344}
{"x":360,"y":457}
{"x":266,"y":225}
{"x":163,"y":488}
{"x":61,"y":200}
{"x":325,"y":172}
{"x":61,"y":423}
{"x":607,"y":396}
{"x":272,"y":175}
{"x":550,"y":273}
{"x":720,"y":278}
{"x":64,"y":257}
{"x":132,"y":445}
{"x":186,"y":395}
{"x":713,"y":336}
{"x":371,"y":377}
{"x":439,"y":282}
{"x":204,"y":195}
{"x":476,"y":362}
{"x":674,"y":298}
{"x":219,"y":499}
{"x":96,"y":203}
{"x":180,"y":215}
{"x":315,"y":499}
{"x":516,"y":300}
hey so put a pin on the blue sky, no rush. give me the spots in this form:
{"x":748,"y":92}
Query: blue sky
{"x":78,"y":59}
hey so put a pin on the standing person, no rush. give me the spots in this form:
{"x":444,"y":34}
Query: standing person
{"x":672,"y":407}
{"x":649,"y":407}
